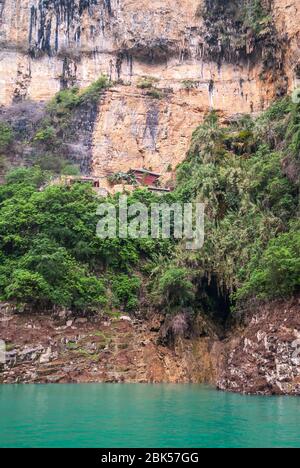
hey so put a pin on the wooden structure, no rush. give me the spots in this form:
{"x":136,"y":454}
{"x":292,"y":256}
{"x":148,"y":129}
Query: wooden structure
{"x":145,"y":177}
{"x":94,"y":181}
{"x":159,"y":189}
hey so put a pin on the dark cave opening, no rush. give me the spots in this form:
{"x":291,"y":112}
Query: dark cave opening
{"x":214,"y":301}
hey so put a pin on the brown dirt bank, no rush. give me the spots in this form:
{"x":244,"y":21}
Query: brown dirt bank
{"x":259,"y":358}
{"x":42,"y":349}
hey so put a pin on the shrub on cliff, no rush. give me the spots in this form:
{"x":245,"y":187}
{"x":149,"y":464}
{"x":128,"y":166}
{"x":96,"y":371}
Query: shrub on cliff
{"x":22,"y":177}
{"x":45,"y":135}
{"x":6,"y":136}
{"x":92,"y":92}
{"x":175,"y":290}
{"x":26,"y":287}
{"x":126,"y":291}
{"x":63,"y":115}
{"x":146,"y":82}
{"x":46,"y":275}
{"x":67,"y":99}
{"x":277,"y":272}
{"x":231,"y":26}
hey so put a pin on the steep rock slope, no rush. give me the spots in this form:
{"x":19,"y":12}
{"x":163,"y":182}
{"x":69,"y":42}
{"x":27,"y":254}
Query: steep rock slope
{"x":203,"y":54}
{"x":65,"y":349}
{"x":260,"y":358}
{"x":263,"y":358}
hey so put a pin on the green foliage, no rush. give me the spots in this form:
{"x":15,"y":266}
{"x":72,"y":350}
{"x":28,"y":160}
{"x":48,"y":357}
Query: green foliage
{"x":126,"y":291}
{"x":271,"y":126}
{"x":256,"y":16}
{"x":58,"y":126}
{"x":175,"y":289}
{"x":92,"y":92}
{"x":231,"y":25}
{"x":155,"y":94}
{"x":6,"y":136}
{"x":26,"y":286}
{"x":68,"y":99}
{"x":50,"y":254}
{"x":189,"y":84}
{"x":250,"y":204}
{"x":34,"y":177}
{"x":3,"y":163}
{"x":293,"y":132}
{"x":64,"y":101}
{"x":45,"y":135}
{"x":122,"y":177}
{"x":50,"y":162}
{"x":70,"y":170}
{"x":47,"y":275}
{"x":277,"y":273}
{"x":146,"y":82}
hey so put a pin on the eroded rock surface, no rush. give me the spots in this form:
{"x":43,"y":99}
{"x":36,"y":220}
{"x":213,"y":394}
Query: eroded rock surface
{"x":197,"y":50}
{"x":264,"y":358}
{"x":261,"y":358}
{"x":62,"y":350}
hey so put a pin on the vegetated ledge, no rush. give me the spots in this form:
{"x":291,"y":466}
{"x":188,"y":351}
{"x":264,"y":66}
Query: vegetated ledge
{"x":157,"y":50}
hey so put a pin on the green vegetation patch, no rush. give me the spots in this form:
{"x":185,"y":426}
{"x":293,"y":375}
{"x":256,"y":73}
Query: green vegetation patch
{"x":246,"y":174}
{"x":6,"y":136}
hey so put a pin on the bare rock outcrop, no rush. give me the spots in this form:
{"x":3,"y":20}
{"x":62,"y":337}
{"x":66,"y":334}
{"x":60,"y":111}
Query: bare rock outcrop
{"x":65,"y":349}
{"x":200,"y":52}
{"x":264,"y":358}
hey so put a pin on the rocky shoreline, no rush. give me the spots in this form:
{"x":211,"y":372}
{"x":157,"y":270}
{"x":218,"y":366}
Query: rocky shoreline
{"x":264,"y":357}
{"x":261,"y":358}
{"x":42,"y":349}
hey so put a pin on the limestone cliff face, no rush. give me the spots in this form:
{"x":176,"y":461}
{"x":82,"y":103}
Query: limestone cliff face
{"x":287,"y":16}
{"x":46,"y":45}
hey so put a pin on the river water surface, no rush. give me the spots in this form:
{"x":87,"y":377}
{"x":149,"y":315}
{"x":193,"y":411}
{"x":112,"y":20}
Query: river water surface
{"x":154,"y":416}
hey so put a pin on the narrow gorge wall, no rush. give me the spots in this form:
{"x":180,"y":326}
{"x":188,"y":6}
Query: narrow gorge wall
{"x":47,"y":45}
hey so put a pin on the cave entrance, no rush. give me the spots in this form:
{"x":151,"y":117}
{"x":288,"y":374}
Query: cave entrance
{"x":214,"y":302}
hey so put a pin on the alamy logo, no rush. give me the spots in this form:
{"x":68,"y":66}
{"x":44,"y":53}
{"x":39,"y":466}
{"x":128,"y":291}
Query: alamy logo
{"x":157,"y":221}
{"x":296,"y":96}
{"x":2,"y":352}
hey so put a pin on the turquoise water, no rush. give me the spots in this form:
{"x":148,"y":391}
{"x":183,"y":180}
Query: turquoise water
{"x":143,"y":416}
